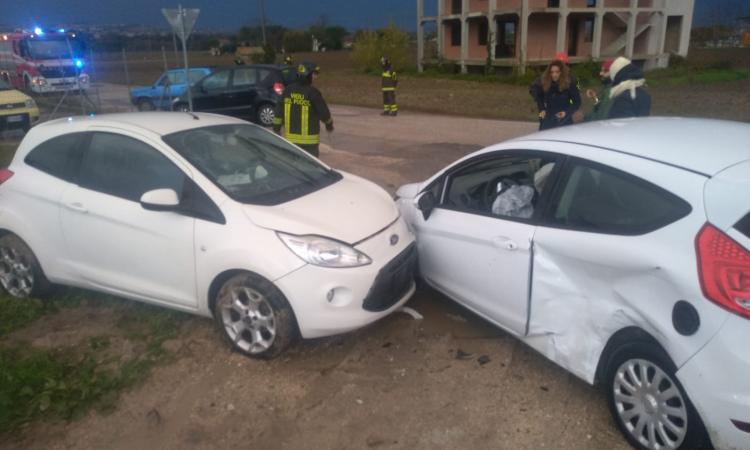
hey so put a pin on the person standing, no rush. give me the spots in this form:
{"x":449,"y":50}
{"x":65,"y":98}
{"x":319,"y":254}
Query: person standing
{"x":602,"y":100}
{"x":556,"y":95}
{"x":301,"y":110}
{"x":288,"y":60}
{"x":389,"y":85}
{"x":629,"y":97}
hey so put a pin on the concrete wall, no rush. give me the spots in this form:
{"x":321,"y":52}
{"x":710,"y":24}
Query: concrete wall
{"x":505,"y":5}
{"x":476,"y":51}
{"x":616,"y":3}
{"x":450,"y":52}
{"x":479,"y":5}
{"x":542,"y":36}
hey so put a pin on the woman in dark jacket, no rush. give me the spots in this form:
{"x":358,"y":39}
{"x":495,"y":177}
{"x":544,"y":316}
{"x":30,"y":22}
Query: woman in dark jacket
{"x":557,"y":96}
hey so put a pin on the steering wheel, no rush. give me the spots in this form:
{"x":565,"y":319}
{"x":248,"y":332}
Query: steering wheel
{"x":491,"y":193}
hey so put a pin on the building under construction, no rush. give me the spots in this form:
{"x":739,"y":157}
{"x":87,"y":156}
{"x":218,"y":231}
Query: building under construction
{"x":522,"y":33}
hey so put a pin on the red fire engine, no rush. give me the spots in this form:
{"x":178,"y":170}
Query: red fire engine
{"x":43,"y":61}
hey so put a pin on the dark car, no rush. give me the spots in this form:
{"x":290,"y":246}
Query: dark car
{"x":248,"y":92}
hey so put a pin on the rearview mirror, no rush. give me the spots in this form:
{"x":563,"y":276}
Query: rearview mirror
{"x":160,"y":200}
{"x":426,"y":204}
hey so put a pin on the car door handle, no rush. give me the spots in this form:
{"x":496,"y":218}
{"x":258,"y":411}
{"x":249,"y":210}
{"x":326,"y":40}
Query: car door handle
{"x":505,"y":243}
{"x":77,"y":207}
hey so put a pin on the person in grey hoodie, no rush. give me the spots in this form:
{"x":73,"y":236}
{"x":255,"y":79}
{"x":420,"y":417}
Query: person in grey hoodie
{"x":628,"y":95}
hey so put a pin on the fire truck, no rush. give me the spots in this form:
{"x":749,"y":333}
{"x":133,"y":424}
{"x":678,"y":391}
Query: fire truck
{"x":42,"y":61}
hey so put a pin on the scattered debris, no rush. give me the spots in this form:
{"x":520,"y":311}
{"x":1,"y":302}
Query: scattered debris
{"x":387,"y":344}
{"x":544,"y":388}
{"x":455,"y":318}
{"x":359,"y":401}
{"x":484,"y":359}
{"x":463,"y":356}
{"x":230,"y":407}
{"x":374,"y":441}
{"x":410,"y":311}
{"x":153,"y":418}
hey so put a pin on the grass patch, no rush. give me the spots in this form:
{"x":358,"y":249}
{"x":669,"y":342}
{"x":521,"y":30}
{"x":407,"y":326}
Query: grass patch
{"x":65,"y":383}
{"x":679,"y":76}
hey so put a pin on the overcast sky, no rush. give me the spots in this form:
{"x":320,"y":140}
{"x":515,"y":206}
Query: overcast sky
{"x":230,"y":14}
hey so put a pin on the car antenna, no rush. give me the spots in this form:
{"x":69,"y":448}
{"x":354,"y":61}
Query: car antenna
{"x":192,"y":114}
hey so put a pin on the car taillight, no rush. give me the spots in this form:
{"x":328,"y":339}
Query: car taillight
{"x":5,"y":175}
{"x":278,"y":88}
{"x":724,"y":270}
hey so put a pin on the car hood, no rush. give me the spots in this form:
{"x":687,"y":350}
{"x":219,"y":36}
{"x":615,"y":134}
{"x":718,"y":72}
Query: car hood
{"x":12,"y":96}
{"x":349,"y":210}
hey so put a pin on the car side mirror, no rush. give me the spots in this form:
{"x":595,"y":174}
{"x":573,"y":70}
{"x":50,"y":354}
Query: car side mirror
{"x":426,"y":204}
{"x":160,"y":200}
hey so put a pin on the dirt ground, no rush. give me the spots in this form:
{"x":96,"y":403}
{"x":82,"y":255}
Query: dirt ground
{"x":400,"y":383}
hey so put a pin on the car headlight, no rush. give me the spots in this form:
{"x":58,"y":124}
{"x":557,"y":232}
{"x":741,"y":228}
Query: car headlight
{"x":320,"y":251}
{"x":30,"y":103}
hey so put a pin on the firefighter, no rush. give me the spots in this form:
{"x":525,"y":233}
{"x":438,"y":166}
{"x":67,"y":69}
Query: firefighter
{"x":390,"y":82}
{"x":302,"y":109}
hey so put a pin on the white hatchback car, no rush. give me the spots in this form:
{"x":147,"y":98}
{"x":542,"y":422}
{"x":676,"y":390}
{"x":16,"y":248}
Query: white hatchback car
{"x":621,"y":251}
{"x":205,"y":214}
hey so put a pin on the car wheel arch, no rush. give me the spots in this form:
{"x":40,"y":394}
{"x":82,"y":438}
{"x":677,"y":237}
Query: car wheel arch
{"x":618,"y":339}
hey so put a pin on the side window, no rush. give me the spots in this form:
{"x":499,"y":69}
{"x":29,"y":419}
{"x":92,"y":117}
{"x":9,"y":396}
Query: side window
{"x":127,"y":168}
{"x":601,"y":199}
{"x":267,"y":76}
{"x":217,"y":81}
{"x":196,"y":76}
{"x":508,"y":186}
{"x":245,"y":77}
{"x":58,"y":156}
{"x":177,"y":77}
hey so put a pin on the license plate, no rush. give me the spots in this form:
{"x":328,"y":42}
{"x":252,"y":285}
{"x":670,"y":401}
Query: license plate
{"x":14,"y":119}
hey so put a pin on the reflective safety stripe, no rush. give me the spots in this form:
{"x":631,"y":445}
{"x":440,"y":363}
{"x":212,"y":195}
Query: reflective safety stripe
{"x":305,"y":121}
{"x":387,"y":74}
{"x":302,"y":139}
{"x":389,"y":89}
{"x":287,"y":118}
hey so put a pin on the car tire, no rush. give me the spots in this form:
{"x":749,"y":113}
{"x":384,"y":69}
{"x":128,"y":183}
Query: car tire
{"x":266,"y":114}
{"x":145,"y":104}
{"x":648,"y":403}
{"x":21,"y":276}
{"x":254,"y":316}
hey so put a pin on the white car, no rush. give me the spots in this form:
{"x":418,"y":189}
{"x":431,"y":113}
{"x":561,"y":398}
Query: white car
{"x":621,"y":251}
{"x":205,"y":214}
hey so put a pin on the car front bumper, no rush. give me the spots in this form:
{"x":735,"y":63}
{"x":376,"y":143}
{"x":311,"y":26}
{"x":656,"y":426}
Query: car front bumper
{"x":717,"y":381}
{"x":333,"y":301}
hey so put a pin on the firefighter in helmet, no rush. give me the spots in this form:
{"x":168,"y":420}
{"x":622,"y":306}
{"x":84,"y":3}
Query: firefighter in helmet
{"x":301,"y":110}
{"x":390,"y":82}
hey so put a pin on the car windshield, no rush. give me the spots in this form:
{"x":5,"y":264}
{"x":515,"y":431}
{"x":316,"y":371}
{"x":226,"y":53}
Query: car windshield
{"x":250,"y":164}
{"x":52,"y":48}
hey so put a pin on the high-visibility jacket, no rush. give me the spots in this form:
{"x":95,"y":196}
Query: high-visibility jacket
{"x":300,"y":111}
{"x":390,"y":80}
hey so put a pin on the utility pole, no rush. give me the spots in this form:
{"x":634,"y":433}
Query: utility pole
{"x":263,"y":21}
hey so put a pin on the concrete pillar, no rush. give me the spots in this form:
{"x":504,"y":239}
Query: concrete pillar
{"x":440,"y":29}
{"x":420,"y":35}
{"x":464,"y":34}
{"x":596,"y":45}
{"x":562,"y":31}
{"x":523,"y":23}
{"x":687,"y":21}
{"x":630,"y":34}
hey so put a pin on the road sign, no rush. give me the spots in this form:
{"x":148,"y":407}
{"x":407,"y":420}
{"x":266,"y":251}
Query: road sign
{"x":182,"y":21}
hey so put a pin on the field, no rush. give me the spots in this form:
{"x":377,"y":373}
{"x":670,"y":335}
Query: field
{"x":721,"y":90}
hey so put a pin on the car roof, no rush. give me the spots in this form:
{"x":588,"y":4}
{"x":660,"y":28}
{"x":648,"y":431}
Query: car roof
{"x":703,"y":146}
{"x":158,"y":122}
{"x":203,"y":69}
{"x":252,"y":66}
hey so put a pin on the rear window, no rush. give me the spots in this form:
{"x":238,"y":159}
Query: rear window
{"x":743,"y":226}
{"x":58,"y":156}
{"x":601,"y":199}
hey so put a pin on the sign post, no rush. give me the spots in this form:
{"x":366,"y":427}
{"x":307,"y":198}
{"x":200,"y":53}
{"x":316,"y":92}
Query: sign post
{"x":182,"y":21}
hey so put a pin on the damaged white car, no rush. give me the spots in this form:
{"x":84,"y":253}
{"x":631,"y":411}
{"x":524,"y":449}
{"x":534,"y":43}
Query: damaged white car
{"x":621,"y":251}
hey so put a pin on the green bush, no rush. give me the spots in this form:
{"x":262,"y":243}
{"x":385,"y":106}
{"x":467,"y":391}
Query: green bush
{"x":370,"y":46}
{"x":297,"y":41}
{"x":587,"y":72}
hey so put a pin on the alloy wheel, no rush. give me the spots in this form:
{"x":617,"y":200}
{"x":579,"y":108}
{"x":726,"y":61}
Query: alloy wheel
{"x":248,"y":319}
{"x":16,"y":273}
{"x":650,"y":405}
{"x":266,"y":115}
